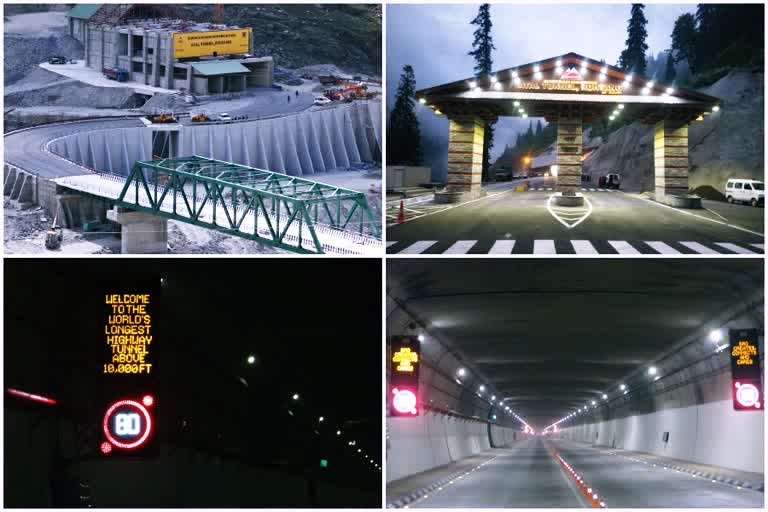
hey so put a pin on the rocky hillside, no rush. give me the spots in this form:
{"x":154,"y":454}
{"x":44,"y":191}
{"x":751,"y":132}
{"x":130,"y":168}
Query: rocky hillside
{"x":296,"y":35}
{"x":727,"y":144}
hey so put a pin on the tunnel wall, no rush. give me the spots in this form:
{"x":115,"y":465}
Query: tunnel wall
{"x":434,"y":439}
{"x":456,"y":420}
{"x":300,"y":145}
{"x":691,"y":401}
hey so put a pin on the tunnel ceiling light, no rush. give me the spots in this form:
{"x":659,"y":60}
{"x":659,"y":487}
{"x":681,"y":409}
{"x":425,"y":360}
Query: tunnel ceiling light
{"x":622,"y":387}
{"x":481,"y":388}
{"x":295,"y":396}
{"x":422,"y":101}
{"x":493,"y":397}
{"x":594,"y":403}
{"x":458,"y":382}
{"x":605,"y":397}
{"x":715,"y":335}
{"x":626,"y":392}
{"x":656,"y":378}
{"x":652,"y":370}
{"x":461,"y":371}
{"x":716,"y":108}
{"x":321,"y":419}
{"x":421,"y":337}
{"x":338,"y":432}
{"x":251,"y":359}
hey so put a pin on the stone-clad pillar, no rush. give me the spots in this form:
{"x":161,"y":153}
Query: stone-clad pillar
{"x":465,"y":156}
{"x":670,"y":157}
{"x":569,"y":155}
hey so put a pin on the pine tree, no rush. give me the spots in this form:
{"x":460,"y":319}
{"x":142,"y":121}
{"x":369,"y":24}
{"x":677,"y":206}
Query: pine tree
{"x":632,"y":59}
{"x":684,"y":41}
{"x":482,"y":46}
{"x":669,"y":69}
{"x":404,"y":137}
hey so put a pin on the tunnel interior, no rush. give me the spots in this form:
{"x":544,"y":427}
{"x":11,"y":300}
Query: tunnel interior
{"x":621,"y":355}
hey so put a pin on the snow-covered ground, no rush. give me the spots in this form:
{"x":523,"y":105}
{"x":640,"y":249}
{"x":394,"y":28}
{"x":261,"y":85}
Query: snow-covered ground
{"x":80,"y":72}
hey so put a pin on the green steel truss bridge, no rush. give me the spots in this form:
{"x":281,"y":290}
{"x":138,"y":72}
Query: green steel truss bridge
{"x":279,"y":210}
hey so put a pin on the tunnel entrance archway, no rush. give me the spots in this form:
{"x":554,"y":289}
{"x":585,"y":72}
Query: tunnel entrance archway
{"x":569,"y":90}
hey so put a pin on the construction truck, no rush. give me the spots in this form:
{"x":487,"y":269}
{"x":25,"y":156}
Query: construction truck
{"x":165,"y":117}
{"x":200,"y":117}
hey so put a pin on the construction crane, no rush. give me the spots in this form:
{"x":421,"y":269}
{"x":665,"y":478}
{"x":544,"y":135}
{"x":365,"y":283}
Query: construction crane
{"x":218,"y":14}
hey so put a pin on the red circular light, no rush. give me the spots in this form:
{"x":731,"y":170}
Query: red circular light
{"x":147,"y":422}
{"x":106,"y":447}
{"x":148,"y":400}
{"x":748,"y":395}
{"x":404,"y":401}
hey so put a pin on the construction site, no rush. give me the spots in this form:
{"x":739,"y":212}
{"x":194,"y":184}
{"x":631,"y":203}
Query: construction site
{"x":102,"y":90}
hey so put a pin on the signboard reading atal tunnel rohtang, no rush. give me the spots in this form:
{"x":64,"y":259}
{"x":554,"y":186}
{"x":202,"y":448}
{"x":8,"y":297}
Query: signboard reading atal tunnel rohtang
{"x":746,"y":377}
{"x":217,"y":42}
{"x":128,"y":423}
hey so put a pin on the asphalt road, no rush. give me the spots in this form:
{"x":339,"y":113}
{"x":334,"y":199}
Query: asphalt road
{"x":529,"y":476}
{"x":625,"y":484}
{"x":614,"y":222}
{"x":24,"y":148}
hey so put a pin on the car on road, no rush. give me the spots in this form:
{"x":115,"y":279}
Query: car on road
{"x":610,"y":180}
{"x":745,"y":191}
{"x":224,"y":117}
{"x":57,"y":59}
{"x":321,"y":100}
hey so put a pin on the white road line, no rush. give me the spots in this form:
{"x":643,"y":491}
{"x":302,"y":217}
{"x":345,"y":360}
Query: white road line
{"x":502,"y":247}
{"x":734,"y":248}
{"x":759,"y":246}
{"x":623,"y":247}
{"x":762,"y":235}
{"x":583,"y":247}
{"x":601,"y":190}
{"x":418,"y":247}
{"x":712,"y":211}
{"x":549,"y":190}
{"x":390,"y":244}
{"x":699,"y":248}
{"x":460,"y":247}
{"x":544,"y":247}
{"x":662,"y":248}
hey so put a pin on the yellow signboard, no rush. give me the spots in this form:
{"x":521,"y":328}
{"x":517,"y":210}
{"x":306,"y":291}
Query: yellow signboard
{"x":203,"y":44}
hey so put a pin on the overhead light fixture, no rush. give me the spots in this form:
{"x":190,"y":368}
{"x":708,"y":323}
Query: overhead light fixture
{"x":461,"y":372}
{"x":422,"y":101}
{"x":715,"y":335}
{"x":605,"y":397}
{"x":594,"y":403}
{"x":652,"y":370}
{"x":493,"y":397}
{"x":716,"y":108}
{"x":622,"y":387}
{"x":481,"y":388}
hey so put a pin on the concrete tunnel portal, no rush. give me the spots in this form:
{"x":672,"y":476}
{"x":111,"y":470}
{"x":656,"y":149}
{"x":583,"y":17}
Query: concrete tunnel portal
{"x":630,"y":377}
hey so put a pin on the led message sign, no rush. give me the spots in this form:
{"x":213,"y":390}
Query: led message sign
{"x":128,"y":333}
{"x":404,"y":375}
{"x":746,"y":377}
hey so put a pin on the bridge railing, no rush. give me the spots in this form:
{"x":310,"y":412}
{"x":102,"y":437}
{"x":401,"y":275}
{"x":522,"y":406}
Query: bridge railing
{"x":274,"y":209}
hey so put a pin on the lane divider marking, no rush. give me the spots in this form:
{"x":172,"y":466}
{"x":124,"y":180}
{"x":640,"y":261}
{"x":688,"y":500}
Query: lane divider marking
{"x":590,"y":493}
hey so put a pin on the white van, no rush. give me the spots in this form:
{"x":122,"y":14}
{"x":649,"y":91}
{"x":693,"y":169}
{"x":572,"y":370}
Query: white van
{"x":745,"y":191}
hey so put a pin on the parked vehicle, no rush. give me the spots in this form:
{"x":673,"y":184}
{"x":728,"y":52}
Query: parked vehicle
{"x":225,"y":117}
{"x":610,"y":180}
{"x":120,"y":75}
{"x":745,"y":191}
{"x":57,"y":59}
{"x":321,"y":100}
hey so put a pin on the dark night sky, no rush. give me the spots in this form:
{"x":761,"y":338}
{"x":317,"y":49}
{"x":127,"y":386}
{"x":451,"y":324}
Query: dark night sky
{"x":314,"y":327}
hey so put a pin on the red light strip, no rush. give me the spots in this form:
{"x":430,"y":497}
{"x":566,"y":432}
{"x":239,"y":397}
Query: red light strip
{"x":30,"y":396}
{"x":589,"y":493}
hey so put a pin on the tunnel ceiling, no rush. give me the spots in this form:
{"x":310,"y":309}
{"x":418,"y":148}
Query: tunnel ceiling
{"x":549,"y":334}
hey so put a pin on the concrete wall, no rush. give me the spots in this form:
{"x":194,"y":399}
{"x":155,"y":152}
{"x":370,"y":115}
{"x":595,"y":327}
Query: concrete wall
{"x":299,"y":145}
{"x":711,"y":433}
{"x":435,"y":439}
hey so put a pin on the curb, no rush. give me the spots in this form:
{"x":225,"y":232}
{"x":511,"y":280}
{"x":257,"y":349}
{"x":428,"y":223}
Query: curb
{"x":714,"y":477}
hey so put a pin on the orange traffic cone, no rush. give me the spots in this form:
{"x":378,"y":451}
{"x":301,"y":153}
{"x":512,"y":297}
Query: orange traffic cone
{"x":401,"y":213}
